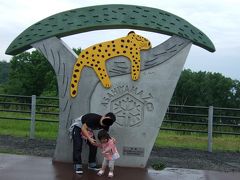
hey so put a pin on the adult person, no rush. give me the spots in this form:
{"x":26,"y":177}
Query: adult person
{"x":82,"y":129}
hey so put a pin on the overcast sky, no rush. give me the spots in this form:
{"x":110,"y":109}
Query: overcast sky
{"x":218,"y":19}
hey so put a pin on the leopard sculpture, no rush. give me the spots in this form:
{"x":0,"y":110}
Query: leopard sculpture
{"x":96,"y":55}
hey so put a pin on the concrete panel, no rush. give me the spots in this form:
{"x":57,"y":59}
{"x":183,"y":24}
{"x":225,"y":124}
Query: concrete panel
{"x":140,"y":105}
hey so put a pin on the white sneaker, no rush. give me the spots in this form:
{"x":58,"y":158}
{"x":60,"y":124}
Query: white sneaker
{"x":110,"y":174}
{"x":100,"y":173}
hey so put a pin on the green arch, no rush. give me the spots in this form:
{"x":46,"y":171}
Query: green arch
{"x":109,"y":17}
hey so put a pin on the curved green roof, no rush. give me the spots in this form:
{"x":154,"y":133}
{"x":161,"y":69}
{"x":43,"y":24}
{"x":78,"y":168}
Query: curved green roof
{"x":109,"y":17}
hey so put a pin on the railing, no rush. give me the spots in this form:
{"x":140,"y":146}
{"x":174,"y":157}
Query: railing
{"x":29,"y":106}
{"x":181,"y":118}
{"x":214,"y":114}
{"x":26,"y":106}
{"x":201,"y":119}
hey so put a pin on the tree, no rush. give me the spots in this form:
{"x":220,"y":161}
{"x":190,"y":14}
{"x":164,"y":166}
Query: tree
{"x":30,"y":73}
{"x":77,"y":50}
{"x":205,"y":89}
{"x":236,"y":94}
{"x":4,"y":71}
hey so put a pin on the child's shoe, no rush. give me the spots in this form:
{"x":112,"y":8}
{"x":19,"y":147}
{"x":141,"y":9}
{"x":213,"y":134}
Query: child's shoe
{"x":110,"y":174}
{"x":100,"y":173}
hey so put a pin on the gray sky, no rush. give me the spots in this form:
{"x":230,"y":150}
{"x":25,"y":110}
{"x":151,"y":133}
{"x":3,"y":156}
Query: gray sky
{"x":218,"y":19}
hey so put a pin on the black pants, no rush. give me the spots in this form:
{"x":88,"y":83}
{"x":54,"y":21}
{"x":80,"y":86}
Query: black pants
{"x":77,"y":148}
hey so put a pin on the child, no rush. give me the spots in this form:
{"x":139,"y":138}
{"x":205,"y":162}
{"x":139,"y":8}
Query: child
{"x":109,"y":151}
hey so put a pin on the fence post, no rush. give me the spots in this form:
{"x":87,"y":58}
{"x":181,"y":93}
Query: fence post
{"x":210,"y":127}
{"x":33,"y":114}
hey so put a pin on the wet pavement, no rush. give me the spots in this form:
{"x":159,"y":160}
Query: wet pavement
{"x":19,"y":167}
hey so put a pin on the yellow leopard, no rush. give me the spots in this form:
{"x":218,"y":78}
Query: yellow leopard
{"x":96,"y":55}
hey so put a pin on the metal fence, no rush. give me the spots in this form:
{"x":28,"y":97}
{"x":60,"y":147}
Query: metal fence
{"x":219,"y":117}
{"x":29,"y":106}
{"x":180,"y":118}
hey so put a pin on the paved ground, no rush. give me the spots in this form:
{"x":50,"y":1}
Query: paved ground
{"x":171,"y":157}
{"x":21,"y":167}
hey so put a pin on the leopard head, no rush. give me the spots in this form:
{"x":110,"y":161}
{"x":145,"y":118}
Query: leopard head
{"x":143,"y":42}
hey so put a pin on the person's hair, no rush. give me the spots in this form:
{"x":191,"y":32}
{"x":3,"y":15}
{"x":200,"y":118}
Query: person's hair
{"x":103,"y":134}
{"x":109,"y":122}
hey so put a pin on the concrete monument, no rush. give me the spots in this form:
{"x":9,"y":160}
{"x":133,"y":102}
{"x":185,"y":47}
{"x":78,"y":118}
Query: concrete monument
{"x":135,"y":84}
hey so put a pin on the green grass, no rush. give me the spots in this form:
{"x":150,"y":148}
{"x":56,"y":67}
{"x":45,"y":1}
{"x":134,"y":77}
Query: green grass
{"x":21,"y":128}
{"x":158,"y":166}
{"x":197,"y":141}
